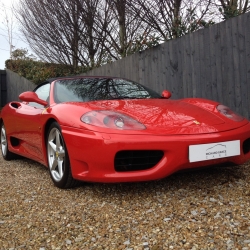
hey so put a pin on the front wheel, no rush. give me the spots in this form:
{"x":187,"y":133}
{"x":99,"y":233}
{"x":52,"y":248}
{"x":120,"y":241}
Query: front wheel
{"x":7,"y":155}
{"x":58,"y":159}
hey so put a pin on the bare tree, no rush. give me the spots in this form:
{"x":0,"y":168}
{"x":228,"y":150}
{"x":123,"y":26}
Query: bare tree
{"x":94,"y":19}
{"x":231,"y":8}
{"x":124,"y":28}
{"x":62,"y":31}
{"x":92,"y":32}
{"x":172,"y":18}
{"x":8,"y":22}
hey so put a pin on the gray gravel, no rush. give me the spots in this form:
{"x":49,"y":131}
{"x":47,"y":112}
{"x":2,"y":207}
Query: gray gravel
{"x":203,"y":209}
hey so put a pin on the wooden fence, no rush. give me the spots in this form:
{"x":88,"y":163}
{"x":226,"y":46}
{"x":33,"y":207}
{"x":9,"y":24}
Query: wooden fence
{"x":16,"y":85}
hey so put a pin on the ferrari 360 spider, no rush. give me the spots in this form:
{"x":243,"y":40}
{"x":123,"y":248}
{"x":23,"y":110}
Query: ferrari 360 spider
{"x":103,"y":129}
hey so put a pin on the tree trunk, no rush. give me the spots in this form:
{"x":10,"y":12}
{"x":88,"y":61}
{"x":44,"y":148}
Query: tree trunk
{"x":176,"y":21}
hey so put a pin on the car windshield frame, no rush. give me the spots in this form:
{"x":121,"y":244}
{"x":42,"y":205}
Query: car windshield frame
{"x":99,"y":89}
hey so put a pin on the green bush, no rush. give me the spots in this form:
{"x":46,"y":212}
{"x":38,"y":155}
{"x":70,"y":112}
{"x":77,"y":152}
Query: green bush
{"x":37,"y":71}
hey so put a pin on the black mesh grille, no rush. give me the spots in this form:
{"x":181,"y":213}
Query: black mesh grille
{"x":134,"y":160}
{"x":246,"y":146}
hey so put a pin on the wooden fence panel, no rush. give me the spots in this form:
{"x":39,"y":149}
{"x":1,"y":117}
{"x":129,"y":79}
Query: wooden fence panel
{"x":162,"y":67}
{"x":236,"y":64}
{"x":16,"y":85}
{"x":230,"y":66}
{"x":172,"y":76}
{"x":184,"y":65}
{"x":215,"y":63}
{"x":3,"y":88}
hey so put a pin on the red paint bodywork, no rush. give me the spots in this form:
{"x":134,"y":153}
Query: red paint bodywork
{"x":170,"y":127}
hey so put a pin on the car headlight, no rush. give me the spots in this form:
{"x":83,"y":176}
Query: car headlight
{"x":229,"y":113}
{"x":111,"y":119}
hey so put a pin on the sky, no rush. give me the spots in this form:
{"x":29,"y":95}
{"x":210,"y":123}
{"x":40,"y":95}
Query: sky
{"x":18,"y":39}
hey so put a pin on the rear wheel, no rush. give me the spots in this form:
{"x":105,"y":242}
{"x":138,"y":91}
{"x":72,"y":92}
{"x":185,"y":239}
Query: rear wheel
{"x":7,"y":155}
{"x":58,"y":159}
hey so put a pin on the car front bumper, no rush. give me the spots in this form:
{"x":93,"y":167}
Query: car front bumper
{"x":92,"y":153}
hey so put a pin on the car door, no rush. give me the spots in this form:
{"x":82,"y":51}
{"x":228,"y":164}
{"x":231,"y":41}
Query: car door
{"x":29,"y":124}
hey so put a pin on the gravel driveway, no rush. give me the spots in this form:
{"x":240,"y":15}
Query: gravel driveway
{"x":204,"y":209}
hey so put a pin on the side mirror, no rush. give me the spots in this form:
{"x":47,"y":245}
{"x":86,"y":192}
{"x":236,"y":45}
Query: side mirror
{"x":166,"y":94}
{"x":30,"y":96}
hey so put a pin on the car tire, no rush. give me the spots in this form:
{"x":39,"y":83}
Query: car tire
{"x":7,"y":155}
{"x":58,"y":159}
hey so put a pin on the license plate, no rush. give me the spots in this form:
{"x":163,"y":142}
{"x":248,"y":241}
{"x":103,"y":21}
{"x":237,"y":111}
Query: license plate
{"x":211,"y":151}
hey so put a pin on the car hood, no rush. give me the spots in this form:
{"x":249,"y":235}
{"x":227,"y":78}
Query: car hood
{"x":161,"y":116}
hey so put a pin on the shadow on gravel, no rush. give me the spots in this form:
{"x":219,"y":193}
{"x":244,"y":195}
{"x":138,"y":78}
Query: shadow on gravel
{"x":206,"y":179}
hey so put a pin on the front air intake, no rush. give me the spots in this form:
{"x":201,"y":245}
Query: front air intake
{"x":136,"y":160}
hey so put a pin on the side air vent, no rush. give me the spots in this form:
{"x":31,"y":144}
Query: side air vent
{"x":14,"y":141}
{"x":136,"y":160}
{"x":15,"y":105}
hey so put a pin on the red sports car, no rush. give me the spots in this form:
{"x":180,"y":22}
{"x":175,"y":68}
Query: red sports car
{"x":104,"y":129}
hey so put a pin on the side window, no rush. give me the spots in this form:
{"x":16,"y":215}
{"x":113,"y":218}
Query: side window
{"x":43,"y":93}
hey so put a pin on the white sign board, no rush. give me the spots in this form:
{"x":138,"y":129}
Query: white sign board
{"x":211,"y":151}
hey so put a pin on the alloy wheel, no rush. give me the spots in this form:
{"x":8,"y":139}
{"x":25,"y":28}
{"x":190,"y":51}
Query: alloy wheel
{"x":56,"y":154}
{"x":4,"y":143}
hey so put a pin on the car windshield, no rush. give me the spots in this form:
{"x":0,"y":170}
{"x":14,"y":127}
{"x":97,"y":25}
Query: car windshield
{"x":92,"y":89}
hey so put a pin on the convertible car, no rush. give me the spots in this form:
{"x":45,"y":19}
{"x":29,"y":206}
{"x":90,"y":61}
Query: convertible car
{"x":103,"y":129}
